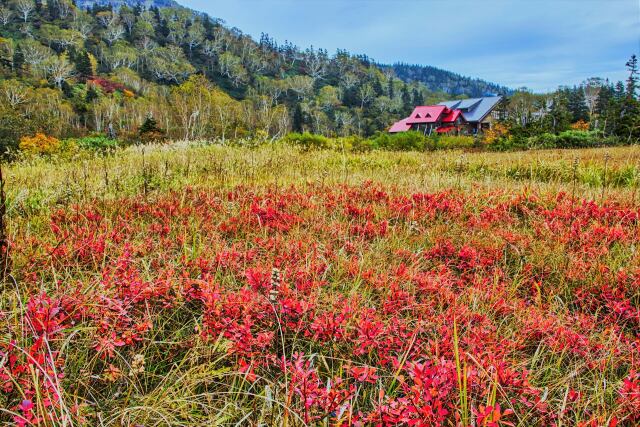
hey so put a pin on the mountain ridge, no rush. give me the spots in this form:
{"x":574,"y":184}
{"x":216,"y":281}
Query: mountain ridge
{"x":434,"y":78}
{"x":132,"y":3}
{"x":447,"y":81}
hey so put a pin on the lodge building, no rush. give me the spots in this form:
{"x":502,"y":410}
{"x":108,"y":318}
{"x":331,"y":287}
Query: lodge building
{"x":467,"y":116}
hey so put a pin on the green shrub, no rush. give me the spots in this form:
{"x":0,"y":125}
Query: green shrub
{"x":13,"y":126}
{"x":404,"y":141}
{"x":96,"y":143}
{"x":356,"y":144}
{"x":542,"y":141}
{"x":571,"y":139}
{"x":307,"y":140}
{"x":508,"y":144}
{"x":576,"y":139}
{"x":449,"y":142}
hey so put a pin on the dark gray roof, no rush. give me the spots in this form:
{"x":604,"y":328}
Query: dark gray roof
{"x":474,"y":109}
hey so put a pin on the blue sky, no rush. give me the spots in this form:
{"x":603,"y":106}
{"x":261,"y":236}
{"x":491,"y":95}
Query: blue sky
{"x":535,"y":43}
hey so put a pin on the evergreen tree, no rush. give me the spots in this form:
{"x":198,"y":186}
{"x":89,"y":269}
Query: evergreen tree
{"x":418,"y":99}
{"x":83,"y":65}
{"x":577,"y":105}
{"x":619,"y":91}
{"x":406,"y":99}
{"x":92,"y":94}
{"x":390,"y":88}
{"x":18,"y":60}
{"x":149,"y":126}
{"x":52,"y":10}
{"x":632,"y":81}
{"x":298,"y":119}
{"x":209,"y":27}
{"x":629,"y":123}
{"x":604,"y":99}
{"x":604,"y":107}
{"x":615,"y":111}
{"x":559,"y":117}
{"x":377,"y":87}
{"x":350,"y":97}
{"x":67,"y":90}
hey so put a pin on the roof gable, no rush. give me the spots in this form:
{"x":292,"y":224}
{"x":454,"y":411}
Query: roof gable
{"x":401,"y":126}
{"x":426,"y":114}
{"x":474,"y":109}
{"x":452,"y":116}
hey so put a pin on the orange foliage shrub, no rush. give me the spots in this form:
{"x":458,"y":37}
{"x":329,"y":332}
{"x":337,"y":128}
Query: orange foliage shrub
{"x":39,"y":144}
{"x":495,"y":133}
{"x":580,"y":125}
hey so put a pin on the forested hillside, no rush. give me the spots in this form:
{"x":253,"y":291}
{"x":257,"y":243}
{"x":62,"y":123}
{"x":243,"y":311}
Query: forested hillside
{"x":436,"y":79}
{"x":67,"y":71}
{"x":84,"y":4}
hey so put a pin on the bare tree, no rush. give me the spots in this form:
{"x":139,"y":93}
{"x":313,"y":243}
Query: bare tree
{"x":195,"y":36}
{"x":82,"y":24}
{"x":255,"y":63}
{"x":168,"y":63}
{"x":58,"y":69}
{"x":14,"y":92}
{"x":344,"y":120}
{"x":316,"y":63}
{"x":211,"y":50}
{"x":592,"y":89}
{"x":301,"y":85}
{"x":366,"y":94}
{"x":384,"y":104}
{"x":128,"y":19}
{"x":59,"y":36}
{"x":120,"y":56}
{"x":5,"y":15}
{"x":25,"y":7}
{"x":64,"y":8}
{"x":231,"y":67}
{"x":34,"y":53}
{"x":270,"y":88}
{"x":113,"y":33}
{"x":177,"y":31}
{"x":107,"y":18}
{"x":349,"y":80}
{"x":146,"y":47}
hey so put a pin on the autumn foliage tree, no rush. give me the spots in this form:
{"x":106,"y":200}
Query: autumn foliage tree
{"x":39,"y":144}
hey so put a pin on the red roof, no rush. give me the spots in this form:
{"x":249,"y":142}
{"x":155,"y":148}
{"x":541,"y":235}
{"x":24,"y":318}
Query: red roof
{"x":426,"y":114}
{"x":452,"y":116}
{"x":401,"y":126}
{"x":445,"y":129}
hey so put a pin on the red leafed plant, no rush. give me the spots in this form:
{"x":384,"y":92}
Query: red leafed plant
{"x":326,"y":306}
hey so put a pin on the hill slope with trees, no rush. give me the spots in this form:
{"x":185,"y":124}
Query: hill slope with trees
{"x":436,"y":79}
{"x":67,"y":71}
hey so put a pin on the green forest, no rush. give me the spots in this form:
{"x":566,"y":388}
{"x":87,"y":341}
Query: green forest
{"x":132,"y":73}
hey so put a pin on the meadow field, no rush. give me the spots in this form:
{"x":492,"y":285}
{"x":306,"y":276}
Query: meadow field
{"x":194,"y":285}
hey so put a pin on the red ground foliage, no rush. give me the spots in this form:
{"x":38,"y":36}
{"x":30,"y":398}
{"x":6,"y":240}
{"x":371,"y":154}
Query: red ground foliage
{"x":347,"y":297}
